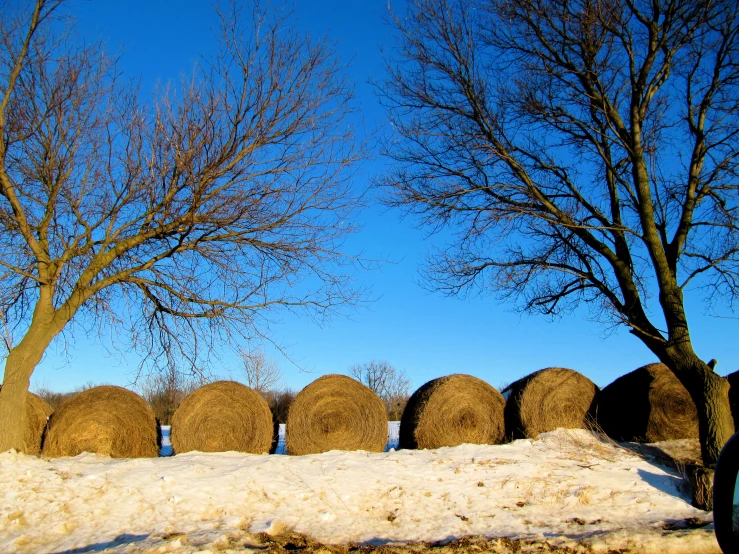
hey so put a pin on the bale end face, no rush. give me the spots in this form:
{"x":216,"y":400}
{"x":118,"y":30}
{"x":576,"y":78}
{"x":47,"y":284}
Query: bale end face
{"x":220,"y":417}
{"x":648,"y":404}
{"x":452,"y":410}
{"x":549,"y":399}
{"x":336,"y":412}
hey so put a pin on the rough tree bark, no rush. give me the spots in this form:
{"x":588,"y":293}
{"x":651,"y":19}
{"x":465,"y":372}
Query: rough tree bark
{"x":710,"y":392}
{"x":19,"y":366}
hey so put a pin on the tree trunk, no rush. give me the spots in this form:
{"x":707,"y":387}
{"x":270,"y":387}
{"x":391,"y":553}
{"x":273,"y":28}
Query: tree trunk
{"x":19,"y":366}
{"x":701,"y":485}
{"x":715,"y":423}
{"x":13,"y":411}
{"x":710,"y":392}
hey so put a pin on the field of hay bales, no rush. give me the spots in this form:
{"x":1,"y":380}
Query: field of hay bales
{"x":337,"y":412}
{"x":452,"y":476}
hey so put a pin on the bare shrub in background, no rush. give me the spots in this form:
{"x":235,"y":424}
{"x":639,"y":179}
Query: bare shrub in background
{"x":53,"y":399}
{"x":279,"y":402}
{"x":165,"y":390}
{"x":260,"y":373}
{"x":387,"y":382}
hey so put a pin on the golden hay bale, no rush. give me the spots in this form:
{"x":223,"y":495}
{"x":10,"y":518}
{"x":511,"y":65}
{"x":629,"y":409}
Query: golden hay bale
{"x":647,"y":405}
{"x":221,"y":417}
{"x":106,"y":420}
{"x":452,"y":410}
{"x":547,"y":399}
{"x":335,"y":412}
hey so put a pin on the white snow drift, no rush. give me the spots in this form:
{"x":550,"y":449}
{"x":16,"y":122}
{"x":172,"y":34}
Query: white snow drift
{"x":566,"y":487}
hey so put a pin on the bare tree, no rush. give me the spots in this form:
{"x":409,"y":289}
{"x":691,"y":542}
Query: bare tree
{"x":396,"y":396}
{"x":585,"y":151}
{"x":164,"y":390}
{"x":261,"y":373}
{"x":178,"y":223}
{"x":387,"y":382}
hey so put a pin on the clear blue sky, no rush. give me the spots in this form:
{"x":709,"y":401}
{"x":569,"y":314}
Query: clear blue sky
{"x":423,"y":334}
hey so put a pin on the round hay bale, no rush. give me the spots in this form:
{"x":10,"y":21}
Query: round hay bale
{"x":335,"y":412}
{"x":107,"y":420}
{"x":220,"y":417}
{"x":647,"y":405}
{"x":452,"y":410}
{"x":548,"y":399}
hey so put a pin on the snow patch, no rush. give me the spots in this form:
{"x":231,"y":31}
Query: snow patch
{"x":567,"y":487}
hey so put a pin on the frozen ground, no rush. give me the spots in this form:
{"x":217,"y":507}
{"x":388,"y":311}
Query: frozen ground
{"x":566,"y":489}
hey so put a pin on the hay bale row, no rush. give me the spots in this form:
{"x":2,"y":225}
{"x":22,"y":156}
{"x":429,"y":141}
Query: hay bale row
{"x":107,"y":420}
{"x":336,"y":412}
{"x":220,"y":417}
{"x":463,"y":409}
{"x":452,"y":410}
{"x":647,"y":405}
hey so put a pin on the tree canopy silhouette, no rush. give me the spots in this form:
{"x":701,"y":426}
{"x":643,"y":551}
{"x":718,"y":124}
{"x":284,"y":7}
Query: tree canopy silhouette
{"x":175,"y":222}
{"x":583,"y":151}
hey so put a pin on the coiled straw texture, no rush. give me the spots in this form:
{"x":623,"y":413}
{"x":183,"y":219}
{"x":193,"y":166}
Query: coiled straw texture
{"x":452,"y":410}
{"x":220,"y":417}
{"x":106,"y":420}
{"x":549,"y":399}
{"x":648,"y":405}
{"x":336,"y":412}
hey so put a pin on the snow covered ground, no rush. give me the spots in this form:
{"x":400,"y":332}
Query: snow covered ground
{"x":568,"y":488}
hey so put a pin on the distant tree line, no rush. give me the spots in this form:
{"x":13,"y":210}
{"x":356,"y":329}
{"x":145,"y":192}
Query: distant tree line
{"x":164,"y":391}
